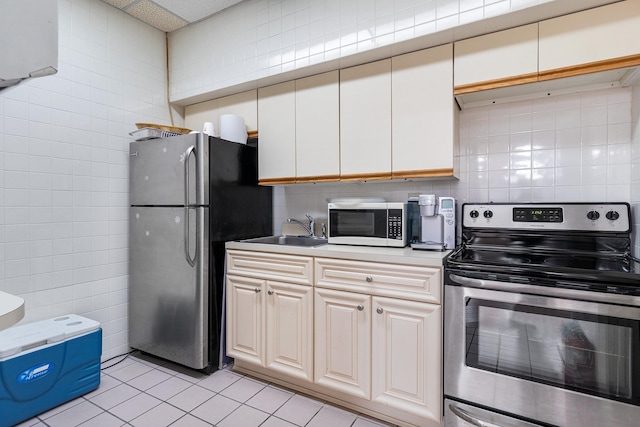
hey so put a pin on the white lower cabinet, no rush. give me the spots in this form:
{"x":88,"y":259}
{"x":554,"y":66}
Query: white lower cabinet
{"x":386,"y":350}
{"x":342,"y":341}
{"x":406,"y":356}
{"x":270,"y":319}
{"x":245,"y":339}
{"x":345,"y":336}
{"x":289,"y":329}
{"x":270,"y":324}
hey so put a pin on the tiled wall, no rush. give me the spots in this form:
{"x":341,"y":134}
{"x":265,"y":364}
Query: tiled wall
{"x":557,"y":149}
{"x":64,"y":167}
{"x":260,"y":38}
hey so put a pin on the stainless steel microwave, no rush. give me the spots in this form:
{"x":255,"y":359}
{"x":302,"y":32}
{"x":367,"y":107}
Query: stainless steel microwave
{"x":368,"y":223}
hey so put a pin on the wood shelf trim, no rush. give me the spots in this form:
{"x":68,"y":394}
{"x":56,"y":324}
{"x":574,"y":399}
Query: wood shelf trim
{"x":366,"y":177}
{"x":591,"y":67}
{"x":427,"y":173}
{"x":320,"y":178}
{"x":274,"y":181}
{"x":495,"y":84}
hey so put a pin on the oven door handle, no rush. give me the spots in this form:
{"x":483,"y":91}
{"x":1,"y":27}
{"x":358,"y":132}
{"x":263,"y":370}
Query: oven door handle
{"x":583,"y":295}
{"x":471,"y":419}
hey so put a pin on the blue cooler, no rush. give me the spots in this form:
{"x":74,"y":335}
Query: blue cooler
{"x":44,"y":364}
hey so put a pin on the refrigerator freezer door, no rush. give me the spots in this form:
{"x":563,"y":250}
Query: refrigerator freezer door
{"x":158,"y":174}
{"x":168,"y":301}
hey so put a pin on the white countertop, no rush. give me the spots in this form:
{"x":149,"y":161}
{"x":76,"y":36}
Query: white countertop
{"x":359,"y":253}
{"x":11,"y":310}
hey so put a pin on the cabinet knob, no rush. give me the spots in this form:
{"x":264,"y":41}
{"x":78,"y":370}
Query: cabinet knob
{"x":360,"y":307}
{"x":369,"y":279}
{"x":379,"y":310}
{"x":270,"y":291}
{"x":257,"y":290}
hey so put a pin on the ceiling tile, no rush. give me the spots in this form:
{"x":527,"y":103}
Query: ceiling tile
{"x":195,"y":10}
{"x":156,"y":16}
{"x":119,"y":3}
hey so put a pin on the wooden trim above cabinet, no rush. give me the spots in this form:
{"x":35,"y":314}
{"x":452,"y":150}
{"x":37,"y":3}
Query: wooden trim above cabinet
{"x":591,"y":67}
{"x":366,"y":176}
{"x":321,"y":178}
{"x":495,"y":84}
{"x":428,"y":173}
{"x":275,"y":181}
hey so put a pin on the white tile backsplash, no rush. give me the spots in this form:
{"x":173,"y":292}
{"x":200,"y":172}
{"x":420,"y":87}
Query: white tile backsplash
{"x":502,"y":160}
{"x":64,"y":167}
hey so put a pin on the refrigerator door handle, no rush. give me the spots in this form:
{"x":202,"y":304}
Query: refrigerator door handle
{"x":191,"y":261}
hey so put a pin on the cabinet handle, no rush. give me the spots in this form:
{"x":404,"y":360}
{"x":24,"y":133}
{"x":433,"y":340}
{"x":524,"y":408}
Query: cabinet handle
{"x":257,"y":290}
{"x":360,"y":307}
{"x":369,"y":279}
{"x":270,"y":292}
{"x":379,"y":310}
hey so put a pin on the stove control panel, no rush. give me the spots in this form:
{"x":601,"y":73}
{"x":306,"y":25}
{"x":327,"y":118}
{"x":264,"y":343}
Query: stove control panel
{"x":604,"y":217}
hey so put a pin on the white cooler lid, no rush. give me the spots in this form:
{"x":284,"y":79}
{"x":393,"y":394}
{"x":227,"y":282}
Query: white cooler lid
{"x":33,"y":335}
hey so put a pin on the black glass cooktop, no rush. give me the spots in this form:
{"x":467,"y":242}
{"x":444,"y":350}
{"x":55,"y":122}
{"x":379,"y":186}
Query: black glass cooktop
{"x":605,"y":269}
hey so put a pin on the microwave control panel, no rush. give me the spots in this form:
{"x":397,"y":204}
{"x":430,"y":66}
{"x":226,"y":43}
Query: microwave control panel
{"x":394,"y":224}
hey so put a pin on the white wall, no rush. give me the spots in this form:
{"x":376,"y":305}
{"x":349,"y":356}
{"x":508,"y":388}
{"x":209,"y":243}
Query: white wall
{"x":64,"y":167}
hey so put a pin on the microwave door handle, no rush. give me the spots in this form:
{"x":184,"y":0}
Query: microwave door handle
{"x":187,"y":243}
{"x":471,"y":419}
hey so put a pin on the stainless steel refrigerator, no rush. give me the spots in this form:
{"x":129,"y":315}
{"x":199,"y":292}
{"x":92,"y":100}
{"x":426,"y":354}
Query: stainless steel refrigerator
{"x":189,"y":195}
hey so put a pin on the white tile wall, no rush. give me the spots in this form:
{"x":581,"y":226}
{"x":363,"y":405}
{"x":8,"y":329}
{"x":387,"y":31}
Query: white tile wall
{"x":64,"y":167}
{"x":566,"y":148}
{"x":257,"y":39}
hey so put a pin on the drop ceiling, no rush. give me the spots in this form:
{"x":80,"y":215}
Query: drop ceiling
{"x":170,"y":15}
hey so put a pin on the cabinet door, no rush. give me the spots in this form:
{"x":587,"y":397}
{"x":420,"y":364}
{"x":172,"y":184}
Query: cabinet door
{"x":318,"y":128}
{"x":365,"y":121}
{"x":245,"y":322}
{"x":343,"y":342}
{"x":277,"y":133}
{"x":593,"y":40}
{"x":407,"y":356}
{"x":504,"y":58}
{"x":425,"y":115}
{"x":289,"y":329}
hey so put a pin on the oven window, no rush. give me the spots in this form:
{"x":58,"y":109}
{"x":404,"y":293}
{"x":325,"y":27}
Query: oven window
{"x":358,"y":223}
{"x":592,"y":354}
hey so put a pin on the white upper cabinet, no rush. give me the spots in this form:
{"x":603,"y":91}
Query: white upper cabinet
{"x":244,"y":104}
{"x":318,"y":128}
{"x":424,"y":115}
{"x":277,"y":133}
{"x":365,"y":121}
{"x":593,"y":40}
{"x":498,"y":59}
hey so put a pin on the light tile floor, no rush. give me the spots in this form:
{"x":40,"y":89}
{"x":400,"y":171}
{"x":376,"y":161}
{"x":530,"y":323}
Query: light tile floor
{"x":143,"y":391}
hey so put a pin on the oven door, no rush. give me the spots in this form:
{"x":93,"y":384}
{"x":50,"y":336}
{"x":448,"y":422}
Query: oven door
{"x":555,"y":356}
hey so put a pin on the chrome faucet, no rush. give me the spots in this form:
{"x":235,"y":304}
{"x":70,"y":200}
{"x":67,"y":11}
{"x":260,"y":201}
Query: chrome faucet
{"x":309,"y":228}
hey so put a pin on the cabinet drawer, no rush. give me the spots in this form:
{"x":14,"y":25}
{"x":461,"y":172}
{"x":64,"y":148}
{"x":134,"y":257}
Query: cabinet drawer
{"x":391,"y":280}
{"x":264,"y":265}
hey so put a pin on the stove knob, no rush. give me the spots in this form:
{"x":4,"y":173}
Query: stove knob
{"x":593,"y":215}
{"x":612,"y":215}
{"x":488,"y":214}
{"x":474,"y":214}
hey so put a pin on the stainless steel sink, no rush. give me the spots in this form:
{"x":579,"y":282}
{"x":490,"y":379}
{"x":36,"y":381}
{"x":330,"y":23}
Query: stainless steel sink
{"x":288,"y":240}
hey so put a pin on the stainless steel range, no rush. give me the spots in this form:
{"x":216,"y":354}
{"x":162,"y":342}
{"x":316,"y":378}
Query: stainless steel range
{"x":542,"y":317}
